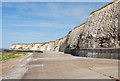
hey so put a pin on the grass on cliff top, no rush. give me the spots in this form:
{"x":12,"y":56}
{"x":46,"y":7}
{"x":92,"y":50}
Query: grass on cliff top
{"x":79,"y":25}
{"x":64,"y":37}
{"x":101,"y":8}
{"x":34,"y":43}
{"x":94,"y":12}
{"x":43,"y":42}
{"x":71,"y":31}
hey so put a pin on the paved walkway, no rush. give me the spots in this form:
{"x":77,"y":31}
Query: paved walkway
{"x":56,"y":65}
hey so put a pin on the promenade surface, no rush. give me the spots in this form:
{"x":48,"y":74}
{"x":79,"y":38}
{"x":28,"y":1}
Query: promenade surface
{"x":57,"y":65}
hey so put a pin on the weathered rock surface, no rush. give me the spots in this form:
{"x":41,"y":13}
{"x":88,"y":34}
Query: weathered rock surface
{"x":101,"y":30}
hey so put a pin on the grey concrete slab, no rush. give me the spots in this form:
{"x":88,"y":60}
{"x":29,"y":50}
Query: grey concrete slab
{"x":55,"y":65}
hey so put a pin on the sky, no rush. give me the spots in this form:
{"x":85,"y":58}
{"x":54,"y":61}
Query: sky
{"x":56,"y":0}
{"x":34,"y":22}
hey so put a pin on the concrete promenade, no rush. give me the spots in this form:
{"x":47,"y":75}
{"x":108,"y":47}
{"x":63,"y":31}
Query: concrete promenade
{"x":57,"y":65}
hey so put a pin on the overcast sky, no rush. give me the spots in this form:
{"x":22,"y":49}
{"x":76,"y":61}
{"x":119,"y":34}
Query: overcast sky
{"x":30,"y":22}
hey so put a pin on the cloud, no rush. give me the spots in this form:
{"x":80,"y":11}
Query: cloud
{"x":41,"y":25}
{"x":52,"y":10}
{"x":48,"y":10}
{"x":11,"y":16}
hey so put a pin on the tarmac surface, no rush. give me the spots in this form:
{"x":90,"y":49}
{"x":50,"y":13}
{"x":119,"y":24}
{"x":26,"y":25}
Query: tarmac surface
{"x":57,"y":65}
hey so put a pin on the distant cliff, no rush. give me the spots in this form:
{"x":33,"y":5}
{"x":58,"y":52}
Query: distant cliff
{"x":101,"y":30}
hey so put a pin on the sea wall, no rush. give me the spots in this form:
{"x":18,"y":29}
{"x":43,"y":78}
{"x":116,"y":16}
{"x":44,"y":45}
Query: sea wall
{"x":109,"y":53}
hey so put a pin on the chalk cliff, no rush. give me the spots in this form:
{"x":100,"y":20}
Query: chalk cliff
{"x":101,"y":30}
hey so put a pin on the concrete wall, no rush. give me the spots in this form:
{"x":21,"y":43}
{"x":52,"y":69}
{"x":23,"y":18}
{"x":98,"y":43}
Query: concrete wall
{"x":109,"y":53}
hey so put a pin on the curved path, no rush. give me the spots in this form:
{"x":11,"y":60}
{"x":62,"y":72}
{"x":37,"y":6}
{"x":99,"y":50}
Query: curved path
{"x":57,"y":65}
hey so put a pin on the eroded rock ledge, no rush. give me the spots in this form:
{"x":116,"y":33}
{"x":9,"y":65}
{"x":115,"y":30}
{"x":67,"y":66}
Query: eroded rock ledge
{"x":101,"y":30}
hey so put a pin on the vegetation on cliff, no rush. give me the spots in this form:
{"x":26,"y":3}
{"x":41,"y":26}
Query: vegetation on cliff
{"x":79,"y":25}
{"x":101,"y":8}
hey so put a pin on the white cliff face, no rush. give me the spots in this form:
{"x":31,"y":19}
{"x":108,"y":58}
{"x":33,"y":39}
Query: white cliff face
{"x":74,"y":36}
{"x":101,"y":30}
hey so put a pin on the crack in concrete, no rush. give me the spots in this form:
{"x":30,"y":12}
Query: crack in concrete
{"x":104,"y":74}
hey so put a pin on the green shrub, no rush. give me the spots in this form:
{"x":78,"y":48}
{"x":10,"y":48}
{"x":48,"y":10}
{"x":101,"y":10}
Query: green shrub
{"x":79,"y":25}
{"x":73,"y":47}
{"x":20,"y":48}
{"x":55,"y":47}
